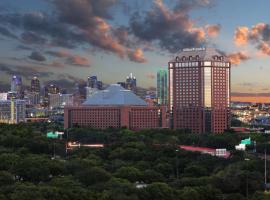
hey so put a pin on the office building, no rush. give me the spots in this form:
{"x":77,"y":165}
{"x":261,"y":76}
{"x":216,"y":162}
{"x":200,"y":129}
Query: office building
{"x":50,"y":89}
{"x":162,"y":87}
{"x":115,"y":107}
{"x":199,"y":90}
{"x":32,"y":98}
{"x":16,"y":86}
{"x":3,"y":96}
{"x":12,"y":111}
{"x":131,"y":83}
{"x":60,"y":100}
{"x":92,"y":82}
{"x":35,"y":85}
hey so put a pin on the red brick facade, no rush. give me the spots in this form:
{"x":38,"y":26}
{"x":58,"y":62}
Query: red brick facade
{"x":199,"y":91}
{"x":132,"y":117}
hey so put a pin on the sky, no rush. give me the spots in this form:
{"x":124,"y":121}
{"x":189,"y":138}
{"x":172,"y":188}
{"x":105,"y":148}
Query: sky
{"x":65,"y":41}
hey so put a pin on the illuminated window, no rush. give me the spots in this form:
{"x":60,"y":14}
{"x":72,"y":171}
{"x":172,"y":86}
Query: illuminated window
{"x":207,"y":63}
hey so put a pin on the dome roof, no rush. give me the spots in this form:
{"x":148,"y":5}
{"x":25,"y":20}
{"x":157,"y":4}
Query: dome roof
{"x":115,"y":95}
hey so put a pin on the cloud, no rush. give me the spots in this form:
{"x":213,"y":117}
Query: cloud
{"x":59,"y":54}
{"x":23,"y":70}
{"x":29,"y":37}
{"x":5,"y":32}
{"x":37,"y":56}
{"x":241,"y":35}
{"x":90,"y":19}
{"x":78,"y":60}
{"x":150,"y":75}
{"x":258,"y":35}
{"x":171,"y":29}
{"x":71,"y":59}
{"x":87,"y":24}
{"x":213,"y":30}
{"x":4,"y":86}
{"x":238,"y":57}
{"x":23,"y":47}
{"x":264,"y":47}
{"x":136,"y":56}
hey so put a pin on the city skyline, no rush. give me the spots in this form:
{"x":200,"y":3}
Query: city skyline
{"x":112,"y":38}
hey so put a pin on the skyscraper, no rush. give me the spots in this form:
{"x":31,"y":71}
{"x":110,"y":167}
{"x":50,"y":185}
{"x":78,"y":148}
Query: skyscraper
{"x":199,"y":90}
{"x":16,"y":86}
{"x":50,"y":89}
{"x":92,"y":82}
{"x":162,"y":87}
{"x":35,"y":85}
{"x":131,"y":83}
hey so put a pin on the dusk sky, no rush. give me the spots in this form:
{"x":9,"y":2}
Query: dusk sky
{"x":68,"y":40}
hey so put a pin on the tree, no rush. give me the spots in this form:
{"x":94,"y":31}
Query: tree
{"x":33,"y":168}
{"x":92,"y":176}
{"x":130,"y":173}
{"x":157,"y":191}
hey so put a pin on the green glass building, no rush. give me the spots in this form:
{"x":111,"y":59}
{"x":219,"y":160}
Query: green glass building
{"x":162,"y":87}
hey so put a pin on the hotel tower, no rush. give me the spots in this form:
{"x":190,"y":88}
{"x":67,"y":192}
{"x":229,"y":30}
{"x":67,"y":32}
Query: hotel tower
{"x":199,"y":91}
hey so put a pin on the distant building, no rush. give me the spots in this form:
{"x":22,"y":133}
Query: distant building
{"x":115,"y":107}
{"x":162,"y":87}
{"x":199,"y":91}
{"x":60,"y":100}
{"x":92,"y":82}
{"x":32,"y":98}
{"x":12,"y":111}
{"x":3,"y":96}
{"x":35,"y":85}
{"x":16,"y":86}
{"x":50,"y":89}
{"x":131,"y":83}
{"x":81,"y":91}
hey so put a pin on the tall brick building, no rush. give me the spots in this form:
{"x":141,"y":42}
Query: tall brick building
{"x":199,"y":91}
{"x":115,"y":107}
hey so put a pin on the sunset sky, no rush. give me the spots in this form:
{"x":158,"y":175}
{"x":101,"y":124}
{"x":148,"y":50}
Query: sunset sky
{"x":64,"y":41}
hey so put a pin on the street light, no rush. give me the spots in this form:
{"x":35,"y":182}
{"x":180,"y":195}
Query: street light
{"x":176,"y":163}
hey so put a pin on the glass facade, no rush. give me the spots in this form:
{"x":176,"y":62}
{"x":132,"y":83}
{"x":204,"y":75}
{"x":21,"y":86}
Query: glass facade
{"x":162,"y":87}
{"x":207,"y":87}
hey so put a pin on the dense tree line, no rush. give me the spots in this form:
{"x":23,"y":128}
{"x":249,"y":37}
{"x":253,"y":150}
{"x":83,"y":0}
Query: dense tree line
{"x":133,"y":165}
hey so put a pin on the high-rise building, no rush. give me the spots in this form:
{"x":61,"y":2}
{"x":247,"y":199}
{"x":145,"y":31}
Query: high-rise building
{"x":131,"y":83}
{"x":92,"y":82}
{"x":50,"y":89}
{"x":33,"y":95}
{"x":16,"y":86}
{"x":199,"y":90}
{"x":162,"y":87}
{"x":35,"y":85}
{"x":12,"y":111}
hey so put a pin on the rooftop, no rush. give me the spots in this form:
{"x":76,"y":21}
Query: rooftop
{"x":197,"y":54}
{"x":115,"y":95}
